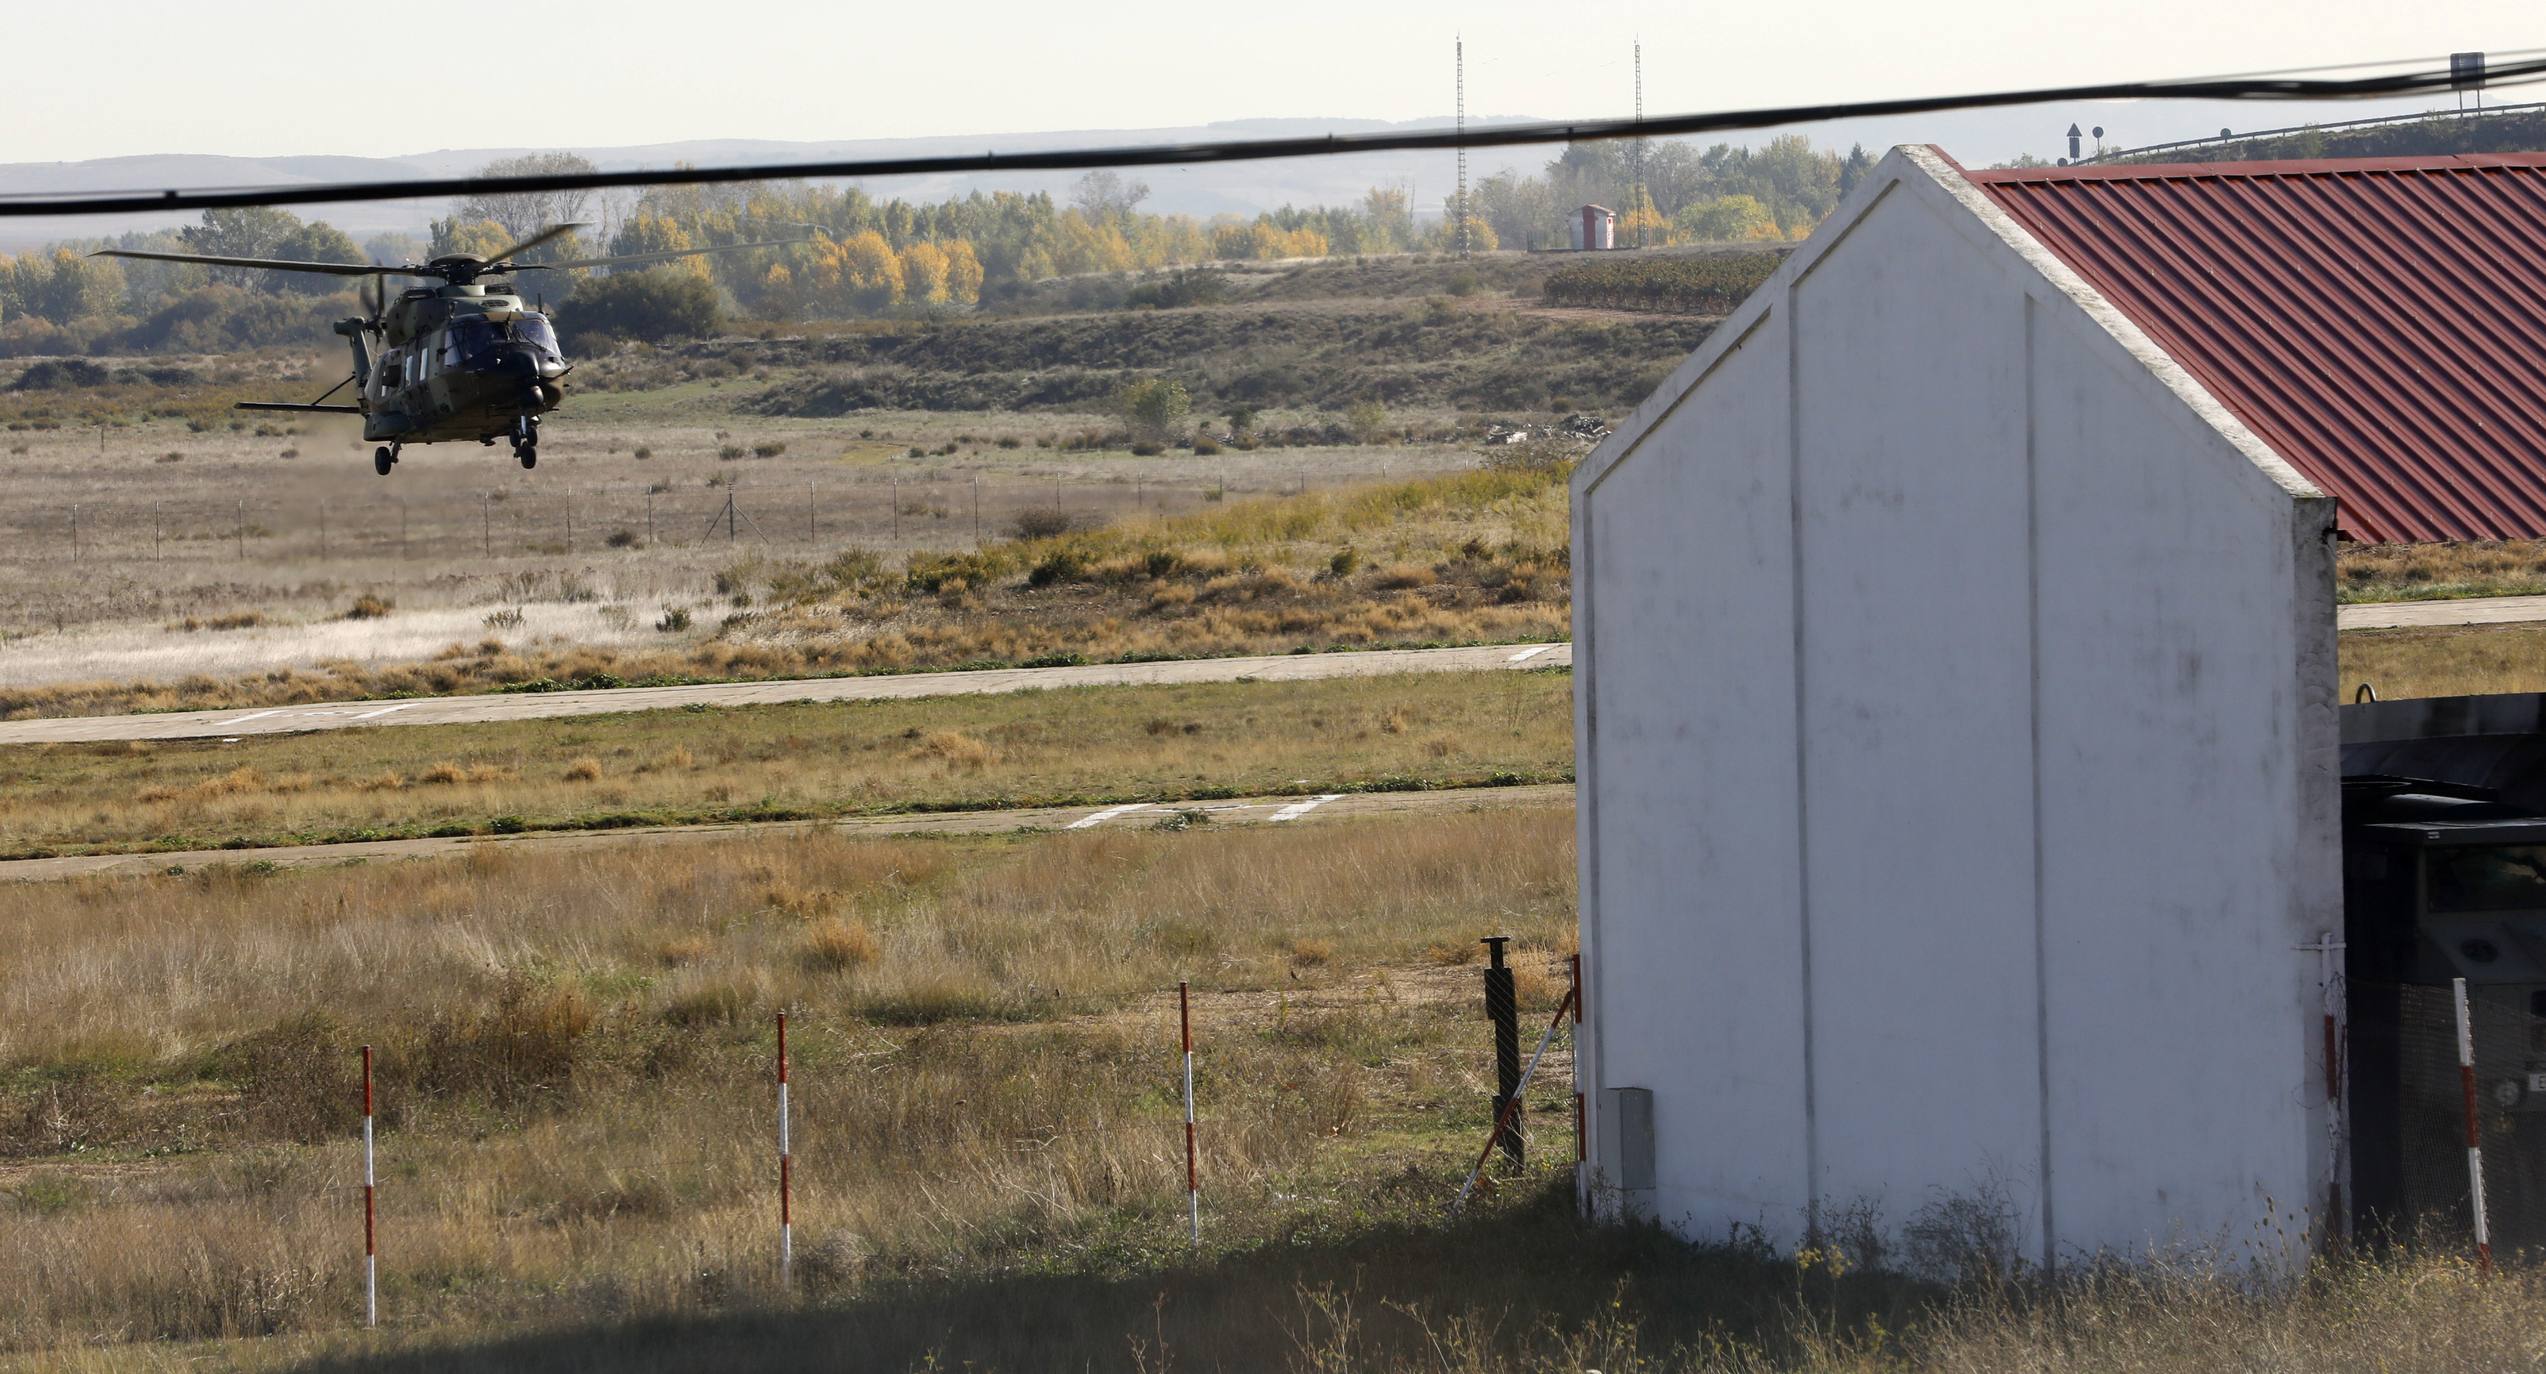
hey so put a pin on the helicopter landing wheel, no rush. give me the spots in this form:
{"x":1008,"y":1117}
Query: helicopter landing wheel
{"x":528,"y":453}
{"x":383,"y":459}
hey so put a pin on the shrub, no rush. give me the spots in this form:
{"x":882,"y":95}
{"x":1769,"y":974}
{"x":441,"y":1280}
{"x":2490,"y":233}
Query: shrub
{"x":836,"y":946}
{"x":955,"y":749}
{"x":659,"y":303}
{"x":1060,"y":565}
{"x":770,"y":449}
{"x":1153,"y":408}
{"x":1708,"y":284}
{"x":674,"y":620}
{"x":622,"y":539}
{"x":643,"y":453}
{"x":729,"y":452}
{"x":1368,"y":421}
{"x":369,"y":607}
{"x":585,"y":769}
{"x":1041,"y":522}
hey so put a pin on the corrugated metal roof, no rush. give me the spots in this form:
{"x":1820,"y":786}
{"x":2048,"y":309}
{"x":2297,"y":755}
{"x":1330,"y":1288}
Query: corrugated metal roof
{"x":2380,"y":322}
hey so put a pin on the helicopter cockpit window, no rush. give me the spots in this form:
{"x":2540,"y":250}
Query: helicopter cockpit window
{"x":535,"y":331}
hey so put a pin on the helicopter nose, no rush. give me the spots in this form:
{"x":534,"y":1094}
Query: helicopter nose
{"x":512,"y":362}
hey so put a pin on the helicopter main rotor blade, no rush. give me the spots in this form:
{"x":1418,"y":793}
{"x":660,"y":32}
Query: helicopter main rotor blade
{"x":326,"y":269}
{"x":552,"y":232}
{"x":664,"y":256}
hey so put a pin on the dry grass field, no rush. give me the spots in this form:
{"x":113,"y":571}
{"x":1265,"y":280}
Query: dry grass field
{"x":110,"y":555}
{"x":576,"y":1132}
{"x":1101,"y":744}
{"x":2429,"y":572}
{"x":574,"y":1067}
{"x":1467,"y":557}
{"x":2456,"y":660}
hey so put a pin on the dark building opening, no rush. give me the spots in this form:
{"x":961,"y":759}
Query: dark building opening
{"x":2444,"y":877}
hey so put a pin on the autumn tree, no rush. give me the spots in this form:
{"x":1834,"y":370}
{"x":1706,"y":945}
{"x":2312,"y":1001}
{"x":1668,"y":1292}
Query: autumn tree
{"x":1727,"y":219}
{"x":524,"y":213}
{"x":1105,"y":196}
{"x":475,"y":238}
{"x":254,"y":231}
{"x":924,"y":272}
{"x":963,"y":273}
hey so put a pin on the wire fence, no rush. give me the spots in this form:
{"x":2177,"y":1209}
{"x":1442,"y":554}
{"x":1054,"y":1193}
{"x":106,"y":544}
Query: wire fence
{"x":446,"y":523}
{"x":2412,"y":1102}
{"x":1195,"y":1123}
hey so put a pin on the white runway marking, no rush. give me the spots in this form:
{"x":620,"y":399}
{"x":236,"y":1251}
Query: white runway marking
{"x":1298,"y":809}
{"x":1109,"y":813}
{"x":252,"y":715}
{"x":1526,"y":655}
{"x":400,"y":706}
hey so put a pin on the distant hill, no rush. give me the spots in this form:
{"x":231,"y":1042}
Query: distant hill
{"x":2519,"y":129}
{"x":1240,"y":188}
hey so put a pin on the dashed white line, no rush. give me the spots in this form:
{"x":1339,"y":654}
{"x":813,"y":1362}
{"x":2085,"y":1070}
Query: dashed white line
{"x":396,"y":706}
{"x":1298,"y":809}
{"x":252,"y":715}
{"x":1109,"y":813}
{"x":1526,"y":655}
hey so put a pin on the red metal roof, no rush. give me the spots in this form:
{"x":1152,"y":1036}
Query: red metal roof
{"x":2379,"y":322}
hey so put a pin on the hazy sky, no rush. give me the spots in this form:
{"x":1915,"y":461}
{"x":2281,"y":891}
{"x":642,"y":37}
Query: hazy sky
{"x":297,"y":76}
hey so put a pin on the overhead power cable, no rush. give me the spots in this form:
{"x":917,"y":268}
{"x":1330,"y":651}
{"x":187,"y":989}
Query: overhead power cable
{"x":2264,"y":87}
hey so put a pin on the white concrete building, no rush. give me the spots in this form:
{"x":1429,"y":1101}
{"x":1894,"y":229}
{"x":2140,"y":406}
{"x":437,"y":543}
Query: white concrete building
{"x":1955,"y":692}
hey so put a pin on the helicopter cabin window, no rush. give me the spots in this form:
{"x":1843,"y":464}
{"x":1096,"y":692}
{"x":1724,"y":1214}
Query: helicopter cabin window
{"x":471,"y":337}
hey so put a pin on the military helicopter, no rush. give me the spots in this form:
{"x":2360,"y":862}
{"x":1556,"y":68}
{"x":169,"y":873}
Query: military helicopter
{"x":462,"y":360}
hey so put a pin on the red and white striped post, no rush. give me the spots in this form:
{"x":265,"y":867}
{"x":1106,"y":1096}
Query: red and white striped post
{"x":370,"y":1228}
{"x":1193,"y":1169}
{"x":786,"y":1169}
{"x":2474,"y":1140}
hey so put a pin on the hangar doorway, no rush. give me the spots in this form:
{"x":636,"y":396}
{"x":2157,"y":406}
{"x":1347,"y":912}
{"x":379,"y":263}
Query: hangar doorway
{"x":2444,"y":877}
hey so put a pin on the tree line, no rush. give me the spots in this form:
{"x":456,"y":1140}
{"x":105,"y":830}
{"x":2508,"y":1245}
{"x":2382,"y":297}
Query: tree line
{"x":846,"y":253}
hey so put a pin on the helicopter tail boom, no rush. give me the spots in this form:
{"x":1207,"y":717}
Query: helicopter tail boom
{"x":299,"y":406}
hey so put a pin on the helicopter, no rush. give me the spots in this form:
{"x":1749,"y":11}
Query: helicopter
{"x":465,"y":359}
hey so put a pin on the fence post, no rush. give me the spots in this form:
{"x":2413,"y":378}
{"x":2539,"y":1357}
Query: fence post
{"x":649,"y":515}
{"x":1582,"y":1128}
{"x":1502,"y":1007}
{"x":570,"y":519}
{"x":976,"y":512}
{"x":2474,"y":1139}
{"x":486,"y":523}
{"x":1193,"y":1168}
{"x":811,"y":529}
{"x":242,"y":529}
{"x":893,"y":493}
{"x":786,"y":1169}
{"x":370,"y":1245}
{"x":322,"y":531}
{"x":156,"y":556}
{"x":75,"y":533}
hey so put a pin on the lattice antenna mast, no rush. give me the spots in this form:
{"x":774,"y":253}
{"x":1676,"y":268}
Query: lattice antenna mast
{"x":1641,"y":203}
{"x":1458,"y":198}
